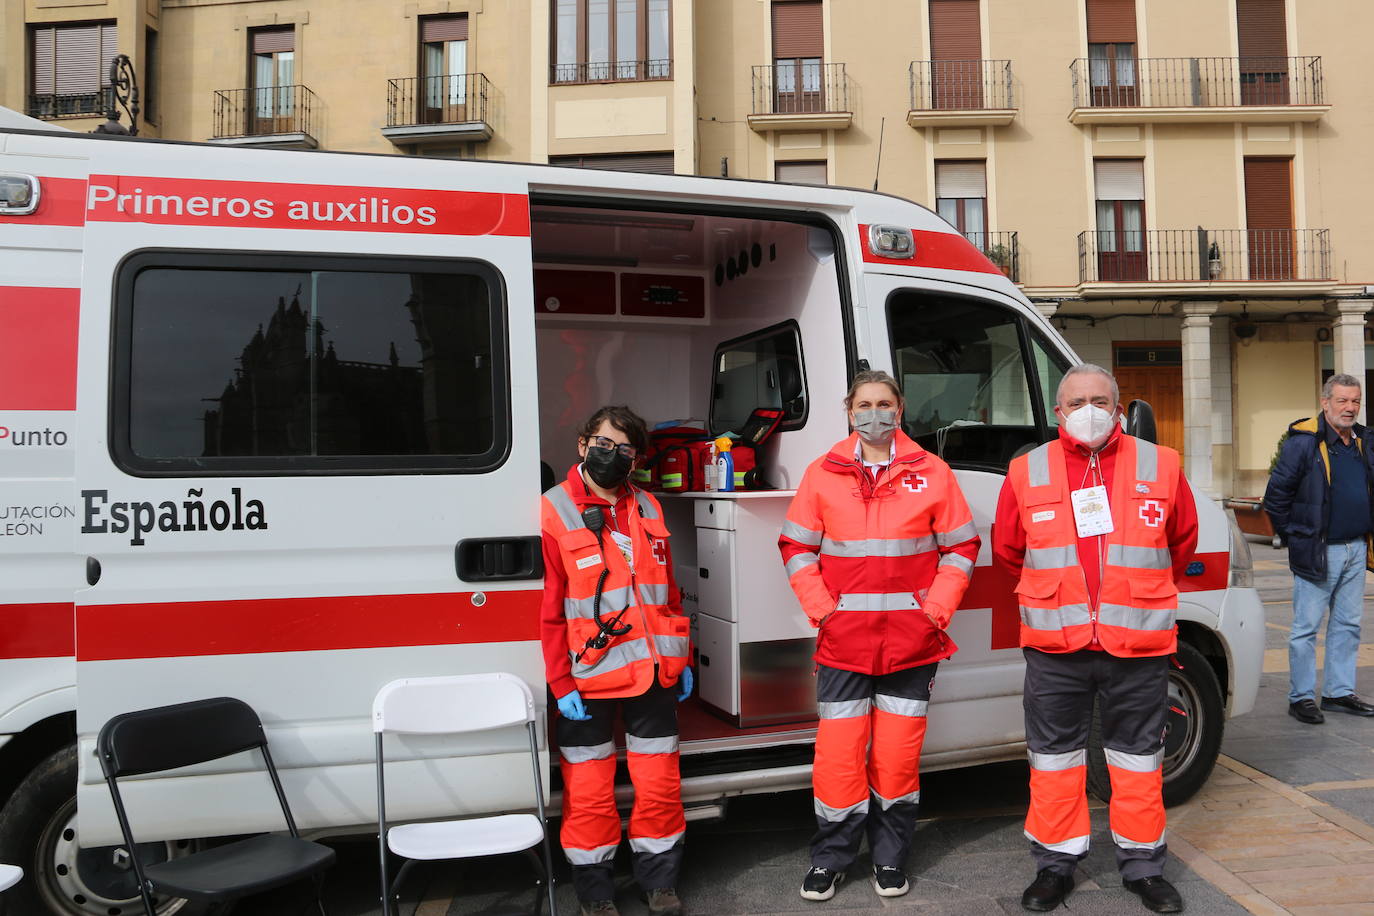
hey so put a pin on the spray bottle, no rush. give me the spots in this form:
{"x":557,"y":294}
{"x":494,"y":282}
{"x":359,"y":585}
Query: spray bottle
{"x":725,"y":465}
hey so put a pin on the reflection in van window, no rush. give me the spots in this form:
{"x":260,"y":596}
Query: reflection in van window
{"x":261,"y":363}
{"x":960,"y":364}
{"x":761,"y":370}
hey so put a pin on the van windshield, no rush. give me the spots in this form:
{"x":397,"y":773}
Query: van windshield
{"x":972,"y":395}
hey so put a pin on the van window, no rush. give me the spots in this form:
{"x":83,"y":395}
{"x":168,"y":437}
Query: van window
{"x":760,"y":370}
{"x":970,"y":396}
{"x":228,"y":363}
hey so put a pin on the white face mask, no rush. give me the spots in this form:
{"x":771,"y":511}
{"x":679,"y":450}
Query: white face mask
{"x":1090,"y":425}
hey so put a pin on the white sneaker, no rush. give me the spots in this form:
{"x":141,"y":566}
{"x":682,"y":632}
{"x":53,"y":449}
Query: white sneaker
{"x":819,"y":883}
{"x":890,"y":881}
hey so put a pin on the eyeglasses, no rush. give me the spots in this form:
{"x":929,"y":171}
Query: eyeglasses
{"x":624,"y":448}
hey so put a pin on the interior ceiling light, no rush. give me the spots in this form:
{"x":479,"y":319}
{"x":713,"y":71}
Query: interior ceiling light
{"x":615,"y":220}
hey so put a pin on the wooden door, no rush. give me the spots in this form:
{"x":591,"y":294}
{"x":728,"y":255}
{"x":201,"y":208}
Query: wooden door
{"x":1269,"y":217}
{"x":956,"y":49}
{"x":1153,"y":372}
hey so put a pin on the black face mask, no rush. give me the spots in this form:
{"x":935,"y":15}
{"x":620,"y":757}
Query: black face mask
{"x":606,"y":466}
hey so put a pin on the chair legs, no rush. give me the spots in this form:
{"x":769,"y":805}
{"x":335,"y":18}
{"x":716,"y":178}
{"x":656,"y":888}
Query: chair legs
{"x":544,"y":871}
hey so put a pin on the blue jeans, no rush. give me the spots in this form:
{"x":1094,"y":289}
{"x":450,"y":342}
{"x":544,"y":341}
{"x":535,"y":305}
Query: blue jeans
{"x":1342,"y":594}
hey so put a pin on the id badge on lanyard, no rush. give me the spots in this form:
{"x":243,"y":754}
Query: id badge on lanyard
{"x":1091,"y":512}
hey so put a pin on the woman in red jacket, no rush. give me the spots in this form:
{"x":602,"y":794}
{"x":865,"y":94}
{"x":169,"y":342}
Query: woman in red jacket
{"x":879,"y":546}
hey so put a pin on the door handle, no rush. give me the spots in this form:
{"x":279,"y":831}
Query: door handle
{"x":499,"y":559}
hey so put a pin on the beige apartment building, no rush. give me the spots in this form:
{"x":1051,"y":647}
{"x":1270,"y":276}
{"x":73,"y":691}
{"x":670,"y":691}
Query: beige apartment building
{"x":1176,"y":183}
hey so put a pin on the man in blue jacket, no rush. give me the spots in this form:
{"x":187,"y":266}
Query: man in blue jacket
{"x":1321,"y":500}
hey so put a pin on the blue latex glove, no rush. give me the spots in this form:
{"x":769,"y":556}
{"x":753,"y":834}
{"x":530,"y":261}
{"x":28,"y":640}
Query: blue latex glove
{"x":684,"y":684}
{"x":570,"y":706}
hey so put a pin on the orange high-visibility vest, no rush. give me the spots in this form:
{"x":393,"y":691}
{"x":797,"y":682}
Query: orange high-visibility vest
{"x":658,"y":638}
{"x":1138,"y":602}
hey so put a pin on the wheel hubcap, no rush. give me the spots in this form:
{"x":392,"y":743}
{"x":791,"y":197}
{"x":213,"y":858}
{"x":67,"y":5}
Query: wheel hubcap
{"x":1183,"y":725}
{"x":101,"y":881}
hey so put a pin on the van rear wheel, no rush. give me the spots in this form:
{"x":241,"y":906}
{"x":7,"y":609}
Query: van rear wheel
{"x":1192,"y":731}
{"x":38,"y":832}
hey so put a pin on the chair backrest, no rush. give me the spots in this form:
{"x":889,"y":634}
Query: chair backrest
{"x":456,"y":703}
{"x":168,"y":737}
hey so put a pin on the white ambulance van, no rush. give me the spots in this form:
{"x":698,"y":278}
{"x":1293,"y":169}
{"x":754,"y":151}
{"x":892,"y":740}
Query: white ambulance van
{"x":274,"y":425}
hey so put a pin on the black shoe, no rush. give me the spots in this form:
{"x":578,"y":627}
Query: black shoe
{"x":890,"y":881}
{"x":663,"y":901}
{"x":819,"y":883}
{"x":1156,"y":893}
{"x":1307,"y":711}
{"x":1351,"y":704}
{"x":1047,"y":891}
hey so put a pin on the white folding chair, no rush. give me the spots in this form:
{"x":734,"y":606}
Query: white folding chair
{"x":9,"y":876}
{"x":452,"y":705}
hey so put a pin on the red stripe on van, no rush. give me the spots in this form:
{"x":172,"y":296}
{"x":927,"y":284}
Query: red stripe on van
{"x":188,"y":628}
{"x":36,"y":630}
{"x":273,"y":205}
{"x":61,"y":202}
{"x":941,"y":250}
{"x":38,"y":348}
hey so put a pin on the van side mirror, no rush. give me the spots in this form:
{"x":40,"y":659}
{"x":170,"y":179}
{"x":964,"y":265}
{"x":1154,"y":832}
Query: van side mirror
{"x":1140,"y":421}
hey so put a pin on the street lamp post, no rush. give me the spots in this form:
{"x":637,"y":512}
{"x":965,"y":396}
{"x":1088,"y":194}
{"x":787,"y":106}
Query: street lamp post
{"x":123,"y":93}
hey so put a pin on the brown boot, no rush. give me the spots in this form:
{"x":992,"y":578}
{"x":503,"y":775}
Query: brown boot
{"x":663,"y":902}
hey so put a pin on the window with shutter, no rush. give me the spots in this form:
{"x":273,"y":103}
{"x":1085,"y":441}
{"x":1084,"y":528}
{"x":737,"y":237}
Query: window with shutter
{"x":1111,"y":53}
{"x":1121,"y":239}
{"x":955,"y":51}
{"x":443,"y":69}
{"x":798,"y":48}
{"x":1262,"y":30}
{"x":961,"y":192}
{"x":801,"y":172}
{"x":1269,"y":217}
{"x":610,"y":40}
{"x":69,"y":66}
{"x":271,"y":77}
{"x":655,"y":163}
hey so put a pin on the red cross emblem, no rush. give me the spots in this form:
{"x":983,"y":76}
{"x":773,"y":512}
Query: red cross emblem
{"x":660,"y":548}
{"x":914,"y":482}
{"x":1151,"y":512}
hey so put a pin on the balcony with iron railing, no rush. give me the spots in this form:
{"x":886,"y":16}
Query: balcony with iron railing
{"x":1162,"y":90}
{"x":53,"y":106}
{"x":953,"y":93}
{"x":1213,"y":260}
{"x":800,"y":95}
{"x":451,"y":108}
{"x":1002,"y":249}
{"x":610,"y":71}
{"x":275,"y":116}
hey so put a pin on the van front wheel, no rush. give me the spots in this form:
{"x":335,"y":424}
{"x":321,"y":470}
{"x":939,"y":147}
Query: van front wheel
{"x":1192,"y":733}
{"x":38,"y":832}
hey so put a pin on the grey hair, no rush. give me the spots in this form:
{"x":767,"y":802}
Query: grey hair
{"x":1088,"y":369}
{"x":1340,"y":378}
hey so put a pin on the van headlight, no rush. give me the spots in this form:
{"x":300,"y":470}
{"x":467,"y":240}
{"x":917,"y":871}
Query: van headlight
{"x":1242,"y":566}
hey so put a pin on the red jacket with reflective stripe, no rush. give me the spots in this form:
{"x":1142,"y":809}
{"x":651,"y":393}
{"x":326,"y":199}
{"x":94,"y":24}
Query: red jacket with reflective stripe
{"x":644,"y":591}
{"x":1117,"y":591}
{"x":879,"y":566}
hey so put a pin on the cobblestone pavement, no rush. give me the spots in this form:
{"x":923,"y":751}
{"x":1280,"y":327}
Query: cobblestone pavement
{"x":1285,"y":825}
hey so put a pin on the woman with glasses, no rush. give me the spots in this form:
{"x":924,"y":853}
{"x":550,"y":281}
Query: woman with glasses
{"x":614,"y":639}
{"x":879,"y":545}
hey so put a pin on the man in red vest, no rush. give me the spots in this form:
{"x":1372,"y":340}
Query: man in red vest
{"x":1098,"y":528}
{"x":615,"y":641}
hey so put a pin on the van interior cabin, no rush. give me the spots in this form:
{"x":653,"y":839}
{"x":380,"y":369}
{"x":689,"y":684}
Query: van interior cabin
{"x":697,"y":319}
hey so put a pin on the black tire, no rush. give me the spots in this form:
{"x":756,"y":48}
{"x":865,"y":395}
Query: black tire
{"x":38,"y":832}
{"x":1192,"y":737}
